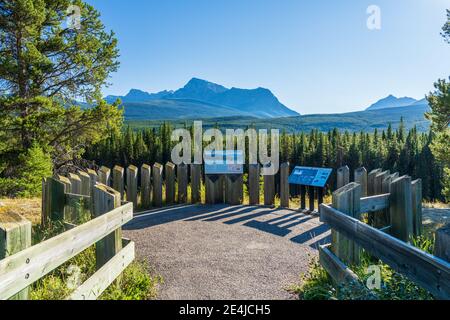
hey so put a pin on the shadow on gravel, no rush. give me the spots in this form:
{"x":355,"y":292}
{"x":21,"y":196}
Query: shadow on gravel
{"x":246,"y":215}
{"x":311,"y":234}
{"x":169,"y":215}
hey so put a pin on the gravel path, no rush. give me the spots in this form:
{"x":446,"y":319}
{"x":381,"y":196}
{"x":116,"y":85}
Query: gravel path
{"x":220,"y":252}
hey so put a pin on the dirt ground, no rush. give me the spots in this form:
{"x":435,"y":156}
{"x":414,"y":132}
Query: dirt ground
{"x":28,"y":208}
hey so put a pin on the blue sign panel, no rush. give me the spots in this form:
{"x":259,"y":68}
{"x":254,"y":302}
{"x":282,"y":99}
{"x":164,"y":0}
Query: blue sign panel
{"x":313,"y":177}
{"x":224,"y":162}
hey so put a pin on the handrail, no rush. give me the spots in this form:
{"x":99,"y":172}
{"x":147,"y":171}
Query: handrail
{"x":24,"y":268}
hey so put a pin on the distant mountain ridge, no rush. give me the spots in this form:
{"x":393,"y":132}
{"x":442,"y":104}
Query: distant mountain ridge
{"x":394,"y":102}
{"x":203,"y":98}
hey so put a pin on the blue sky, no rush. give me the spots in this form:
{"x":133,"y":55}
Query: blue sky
{"x":316,"y":56}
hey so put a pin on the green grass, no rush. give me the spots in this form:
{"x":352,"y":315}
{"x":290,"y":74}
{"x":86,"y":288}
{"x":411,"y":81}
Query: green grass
{"x":137,"y":282}
{"x":318,"y":285}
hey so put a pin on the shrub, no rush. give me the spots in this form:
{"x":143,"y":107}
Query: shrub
{"x":32,"y":166}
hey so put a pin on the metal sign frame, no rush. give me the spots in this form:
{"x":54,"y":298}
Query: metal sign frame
{"x":223,"y":166}
{"x":310,"y":176}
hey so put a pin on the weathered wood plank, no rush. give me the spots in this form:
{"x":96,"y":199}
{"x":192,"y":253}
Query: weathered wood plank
{"x":22,"y":269}
{"x":157,"y":184}
{"x":427,"y":271}
{"x":234,"y":189}
{"x":132,"y":185}
{"x":146,"y":186}
{"x":92,"y":288}
{"x":284,"y":185}
{"x":170,"y":183}
{"x":104,"y":175}
{"x":15,"y":236}
{"x":118,"y":175}
{"x":85,"y":183}
{"x":375,"y":203}
{"x":269,"y":190}
{"x":75,"y":181}
{"x":416,"y":189}
{"x":342,"y":275}
{"x":182,"y":179}
{"x":343,"y":176}
{"x":442,"y":245}
{"x":361,"y":179}
{"x":347,"y":201}
{"x":196,"y":183}
{"x":371,"y":182}
{"x":401,"y":209}
{"x":106,"y":199}
{"x":254,"y":175}
{"x":53,"y":200}
{"x":381,"y":218}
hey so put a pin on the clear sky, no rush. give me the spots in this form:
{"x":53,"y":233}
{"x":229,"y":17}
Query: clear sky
{"x":316,"y":56}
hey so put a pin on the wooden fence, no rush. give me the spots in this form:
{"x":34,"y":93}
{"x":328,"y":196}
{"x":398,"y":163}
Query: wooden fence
{"x":156,"y":186}
{"x":69,"y":200}
{"x":393,"y":206}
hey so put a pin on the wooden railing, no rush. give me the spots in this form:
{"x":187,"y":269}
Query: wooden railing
{"x":24,"y":264}
{"x":155,"y":186}
{"x":389,"y":242}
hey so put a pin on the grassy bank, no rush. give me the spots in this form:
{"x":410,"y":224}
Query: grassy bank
{"x":318,"y":285}
{"x":138,"y":282}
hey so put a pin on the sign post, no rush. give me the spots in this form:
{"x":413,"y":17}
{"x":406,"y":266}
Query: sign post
{"x":314,"y":179}
{"x":224,"y":167}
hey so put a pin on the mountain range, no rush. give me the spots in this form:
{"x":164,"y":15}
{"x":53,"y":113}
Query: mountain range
{"x":202,"y":99}
{"x":394,"y":102}
{"x":213,"y":103}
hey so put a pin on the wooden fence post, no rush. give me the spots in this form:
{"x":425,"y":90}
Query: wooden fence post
{"x":15,"y":236}
{"x":210,"y":186}
{"x":53,"y":201}
{"x":269,"y":190}
{"x":118,"y":180}
{"x":75,"y":181}
{"x":132,"y":185}
{"x":284,"y":185}
{"x":146,"y":186}
{"x":416,"y":187}
{"x":69,"y":214}
{"x":106,"y":199}
{"x":85,"y":183}
{"x":442,"y":245}
{"x":401,"y":209}
{"x":361,"y":179}
{"x":234,"y":189}
{"x":170,"y":183}
{"x":343,"y":176}
{"x":157,"y":184}
{"x":381,"y":218}
{"x":77,"y":206}
{"x":371,"y":182}
{"x":254,"y":174}
{"x":219,"y":187}
{"x":347,"y":200}
{"x":94,"y":179}
{"x":196,"y":183}
{"x":182,"y":179}
{"x":104,"y":176}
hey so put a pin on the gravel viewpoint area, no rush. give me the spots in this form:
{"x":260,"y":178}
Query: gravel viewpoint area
{"x":221,"y":252}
